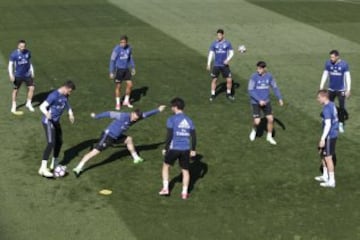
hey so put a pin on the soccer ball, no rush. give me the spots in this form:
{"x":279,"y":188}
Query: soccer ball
{"x":242,"y":48}
{"x":59,"y":171}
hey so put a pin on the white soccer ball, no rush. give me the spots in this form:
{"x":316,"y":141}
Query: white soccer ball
{"x":59,"y":171}
{"x":242,"y":48}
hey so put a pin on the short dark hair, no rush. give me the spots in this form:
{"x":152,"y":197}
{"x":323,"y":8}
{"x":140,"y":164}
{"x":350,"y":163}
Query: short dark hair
{"x":21,"y":41}
{"x":220,"y":31}
{"x":261,"y":64}
{"x":138,"y":113}
{"x":124,"y":37}
{"x":69,"y":84}
{"x":178,"y":102}
{"x":334,"y":52}
{"x":323,"y":92}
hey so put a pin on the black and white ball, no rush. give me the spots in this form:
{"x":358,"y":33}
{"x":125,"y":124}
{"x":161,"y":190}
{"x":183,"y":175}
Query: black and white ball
{"x":60,"y":171}
{"x":242,"y":49}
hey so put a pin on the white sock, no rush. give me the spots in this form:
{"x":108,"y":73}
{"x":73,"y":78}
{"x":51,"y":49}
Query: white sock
{"x":44,"y":164}
{"x":55,"y":161}
{"x":212,"y":92}
{"x":126,"y":98}
{"x":228,"y":91}
{"x":165,"y":184}
{"x":325,"y":173}
{"x":13,"y":107}
{"x":135,"y":155}
{"x":117,"y":100}
{"x":254,"y":130}
{"x":184,"y":190}
{"x":332,"y":177}
{"x":28,"y":102}
{"x":269,"y":135}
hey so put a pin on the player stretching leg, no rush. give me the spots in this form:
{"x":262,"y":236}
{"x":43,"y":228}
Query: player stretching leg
{"x":180,"y":130}
{"x":259,"y":91}
{"x":337,"y":70}
{"x":52,"y":108}
{"x":114,"y":133}
{"x":21,"y":70}
{"x":120,"y":61}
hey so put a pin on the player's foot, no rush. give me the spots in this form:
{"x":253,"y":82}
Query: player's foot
{"x":13,"y":110}
{"x":328,"y":184}
{"x":53,"y":164}
{"x":271,"y":140}
{"x":30,"y":107}
{"x":77,"y":172}
{"x":117,"y":106}
{"x":45,"y":173}
{"x":320,"y":178}
{"x":230,"y":97}
{"x":252,"y":135}
{"x":185,"y":196}
{"x":341,"y":128}
{"x":164,"y":192}
{"x":138,"y":160}
{"x":212,"y":98}
{"x":127,"y":103}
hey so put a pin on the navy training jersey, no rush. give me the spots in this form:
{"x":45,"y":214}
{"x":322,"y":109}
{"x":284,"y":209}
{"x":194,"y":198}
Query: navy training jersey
{"x":121,"y":58}
{"x":181,"y":126}
{"x":57,"y":104}
{"x":221,"y":50}
{"x":337,"y":74}
{"x":259,"y":87}
{"x":329,"y":111}
{"x":22,"y":63}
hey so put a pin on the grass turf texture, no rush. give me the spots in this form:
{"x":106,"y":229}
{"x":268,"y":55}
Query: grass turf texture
{"x":250,"y":191}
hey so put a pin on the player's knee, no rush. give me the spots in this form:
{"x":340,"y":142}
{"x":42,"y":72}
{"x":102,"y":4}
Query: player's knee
{"x":270,"y":118}
{"x":256,"y":121}
{"x":129,"y":140}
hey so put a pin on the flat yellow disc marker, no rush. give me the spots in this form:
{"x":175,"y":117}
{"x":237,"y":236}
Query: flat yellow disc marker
{"x":105,"y":192}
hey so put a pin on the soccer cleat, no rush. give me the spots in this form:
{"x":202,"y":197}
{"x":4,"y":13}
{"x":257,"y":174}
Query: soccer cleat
{"x":138,"y":160}
{"x":185,"y":196}
{"x":30,"y":107}
{"x":230,"y":97}
{"x":164,"y":192}
{"x":252,"y":135}
{"x":77,"y":172}
{"x":328,"y":184}
{"x":341,"y":128}
{"x":271,"y":140}
{"x":212,"y":98}
{"x":127,"y":103}
{"x":320,"y":178}
{"x":117,"y":106}
{"x":45,"y":173}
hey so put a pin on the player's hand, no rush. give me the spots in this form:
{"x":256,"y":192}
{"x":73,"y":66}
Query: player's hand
{"x":92,"y":115}
{"x":208,"y":67}
{"x":226,"y":62}
{"x":111,"y":76}
{"x":262,"y":103}
{"x":12,"y":78}
{"x":192,"y":153}
{"x":322,"y":144}
{"x":281,"y":102}
{"x":161,"y":108}
{"x":48,"y":115}
{"x":163,"y":152}
{"x":133,"y":72}
{"x":347,"y":94}
{"x":72,"y":118}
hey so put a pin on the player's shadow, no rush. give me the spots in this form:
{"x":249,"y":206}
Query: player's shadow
{"x":37,"y":99}
{"x":74,"y":151}
{"x":137,"y":94}
{"x":198,"y":169}
{"x":262,"y":127}
{"x":123,"y":153}
{"x":221,"y":87}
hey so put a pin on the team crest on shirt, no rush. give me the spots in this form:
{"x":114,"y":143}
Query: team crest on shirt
{"x":184,"y":124}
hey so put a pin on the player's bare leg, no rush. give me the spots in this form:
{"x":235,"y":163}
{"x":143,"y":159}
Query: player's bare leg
{"x":213,"y":89}
{"x":256,"y":123}
{"x":325,"y":176}
{"x":185,"y":181}
{"x":30,"y":95}
{"x":229,"y":83}
{"x":130,"y":146}
{"x":77,"y":170}
{"x":165,"y":178}
{"x":129,"y":86}
{"x":331,"y":173}
{"x":270,"y":127}
{"x":13,"y":98}
{"x":117,"y":95}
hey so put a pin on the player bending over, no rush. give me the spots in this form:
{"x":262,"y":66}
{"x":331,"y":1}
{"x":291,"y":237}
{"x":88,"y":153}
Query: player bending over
{"x":114,"y":133}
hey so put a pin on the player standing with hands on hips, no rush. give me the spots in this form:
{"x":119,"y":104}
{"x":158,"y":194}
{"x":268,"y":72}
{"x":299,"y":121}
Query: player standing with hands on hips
{"x":180,"y":131}
{"x":259,"y":91}
{"x":21,"y":70}
{"x":120,"y":62}
{"x":337,"y":70}
{"x":222,"y":52}
{"x":52,"y":108}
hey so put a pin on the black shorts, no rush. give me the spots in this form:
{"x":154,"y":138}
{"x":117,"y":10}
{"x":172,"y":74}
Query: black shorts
{"x":183,"y":155}
{"x":267,"y":110}
{"x":329,"y":149}
{"x":225,"y":72}
{"x":122,"y":75}
{"x":107,"y":141}
{"x":29,"y":81}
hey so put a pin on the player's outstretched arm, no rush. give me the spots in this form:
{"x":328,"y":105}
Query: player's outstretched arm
{"x":153,"y":112}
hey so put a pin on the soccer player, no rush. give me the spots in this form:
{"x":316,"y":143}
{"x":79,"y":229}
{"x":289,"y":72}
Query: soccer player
{"x":222,"y":52}
{"x":114,"y":133}
{"x":52,"y":108}
{"x":180,"y":130}
{"x":337,"y":70}
{"x":120,"y":61}
{"x":259,"y":90}
{"x":327,"y":143}
{"x":21,"y":70}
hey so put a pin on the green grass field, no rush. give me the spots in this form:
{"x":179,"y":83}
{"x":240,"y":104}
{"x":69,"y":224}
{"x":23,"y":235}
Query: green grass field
{"x":248,"y":190}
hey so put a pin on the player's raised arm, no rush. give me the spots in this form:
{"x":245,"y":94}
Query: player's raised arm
{"x":153,"y":112}
{"x":108,"y":114}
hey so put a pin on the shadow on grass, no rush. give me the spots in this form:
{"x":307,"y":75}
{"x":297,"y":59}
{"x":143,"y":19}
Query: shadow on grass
{"x":198,"y":169}
{"x":137,"y":94}
{"x":221,"y":87}
{"x":262,"y":128}
{"x":74,"y":151}
{"x":37,"y":99}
